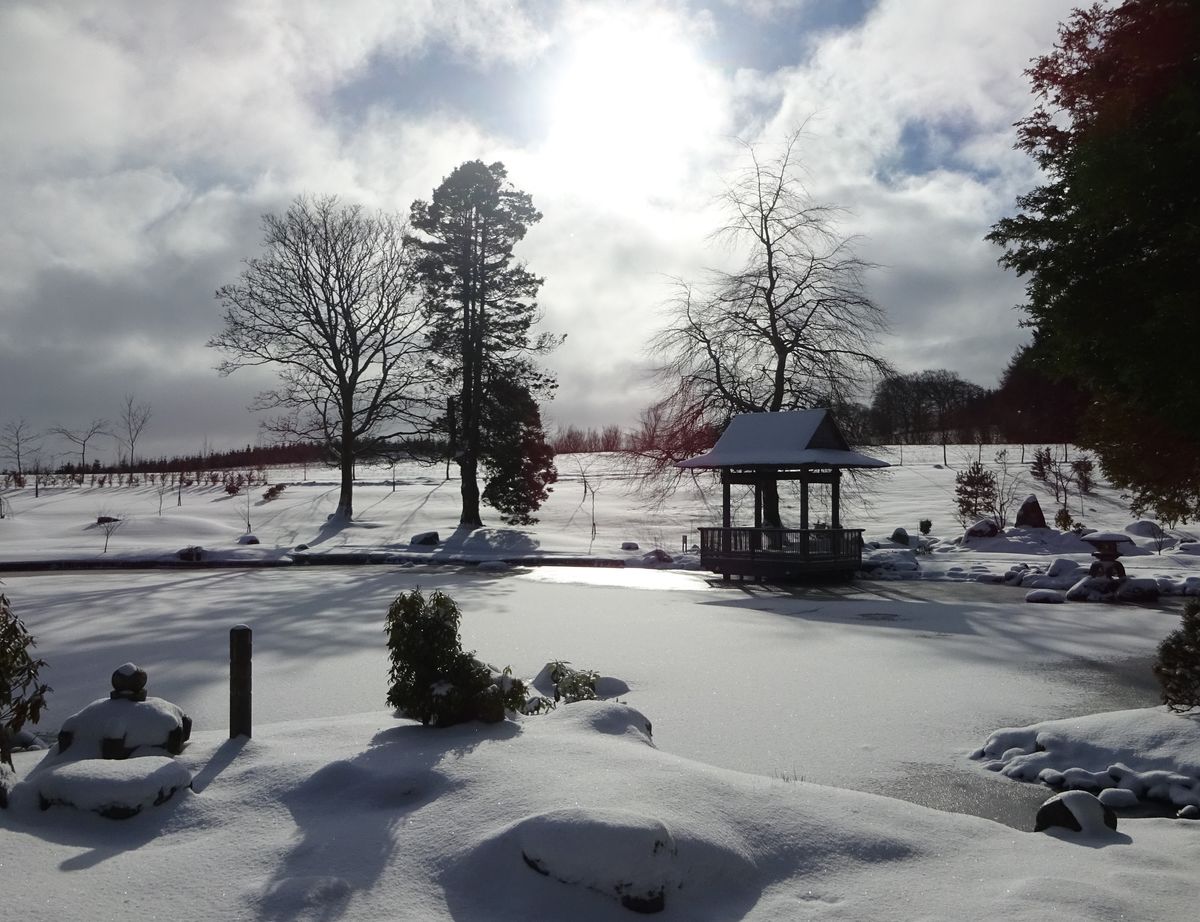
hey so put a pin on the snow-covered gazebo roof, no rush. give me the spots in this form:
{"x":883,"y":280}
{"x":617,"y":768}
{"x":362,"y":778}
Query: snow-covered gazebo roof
{"x":793,"y":440}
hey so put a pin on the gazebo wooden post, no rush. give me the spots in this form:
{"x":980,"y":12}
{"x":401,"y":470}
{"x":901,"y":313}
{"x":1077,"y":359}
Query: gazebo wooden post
{"x":726,"y":519}
{"x":835,"y":502}
{"x":804,"y":499}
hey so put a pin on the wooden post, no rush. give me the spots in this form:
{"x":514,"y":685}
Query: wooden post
{"x":804,"y":499}
{"x":835,"y":500}
{"x":240,"y":643}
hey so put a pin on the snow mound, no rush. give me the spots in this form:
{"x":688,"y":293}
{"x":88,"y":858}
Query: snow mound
{"x":606,"y":717}
{"x":613,"y":852}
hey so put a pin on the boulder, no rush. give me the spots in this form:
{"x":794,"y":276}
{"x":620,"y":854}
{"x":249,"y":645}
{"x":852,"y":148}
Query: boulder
{"x":1092,"y":589}
{"x":1051,"y":596}
{"x":657,"y":556}
{"x":629,"y":545}
{"x":1138,"y":590}
{"x":1189,"y":812}
{"x":425,"y":539}
{"x":900,"y":536}
{"x":1063,"y":566}
{"x":1030,"y":514}
{"x":984,"y":528}
{"x":193,"y":554}
{"x":1077,"y":811}
{"x":248,"y":539}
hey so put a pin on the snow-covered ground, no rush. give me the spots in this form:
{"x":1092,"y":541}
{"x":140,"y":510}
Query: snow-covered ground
{"x":778,"y":718}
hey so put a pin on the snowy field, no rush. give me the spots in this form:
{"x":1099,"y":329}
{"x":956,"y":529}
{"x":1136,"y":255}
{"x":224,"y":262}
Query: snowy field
{"x":778,"y":716}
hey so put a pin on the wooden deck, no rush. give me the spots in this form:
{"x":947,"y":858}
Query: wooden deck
{"x":781,"y":553}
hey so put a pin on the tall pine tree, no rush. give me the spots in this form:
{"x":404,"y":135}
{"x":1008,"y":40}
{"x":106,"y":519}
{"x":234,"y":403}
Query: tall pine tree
{"x":481,"y":308}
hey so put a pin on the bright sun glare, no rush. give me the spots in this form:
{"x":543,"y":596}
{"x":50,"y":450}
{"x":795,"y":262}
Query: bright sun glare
{"x":633,"y":99}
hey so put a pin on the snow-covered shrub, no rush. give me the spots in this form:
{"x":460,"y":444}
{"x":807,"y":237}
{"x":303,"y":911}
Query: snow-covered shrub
{"x":232,"y":488}
{"x":1062,"y":519}
{"x":272,"y":492}
{"x":1178,"y":664}
{"x":572,"y":684}
{"x":433,"y":679}
{"x":22,"y":695}
{"x":974,"y":492}
{"x":925,"y":525}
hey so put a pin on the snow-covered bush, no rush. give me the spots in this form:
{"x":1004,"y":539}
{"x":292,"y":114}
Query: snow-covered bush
{"x":22,"y":695}
{"x":1062,"y":519}
{"x":1178,"y":664}
{"x":433,"y":679}
{"x":571,"y":684}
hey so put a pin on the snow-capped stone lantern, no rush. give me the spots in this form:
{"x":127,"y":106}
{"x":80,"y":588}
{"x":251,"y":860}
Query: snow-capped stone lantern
{"x":1107,"y":550}
{"x":127,"y":720}
{"x":116,"y":756}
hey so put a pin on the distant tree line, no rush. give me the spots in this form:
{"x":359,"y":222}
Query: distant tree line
{"x":938,"y":407}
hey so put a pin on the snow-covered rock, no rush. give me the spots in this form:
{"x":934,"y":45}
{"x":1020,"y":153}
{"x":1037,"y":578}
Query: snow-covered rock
{"x":425,"y":539}
{"x":621,"y":854}
{"x":900,"y":536}
{"x":984,"y":528}
{"x":1052,"y":596}
{"x":1138,"y":590}
{"x":1078,"y":811}
{"x":247,"y":539}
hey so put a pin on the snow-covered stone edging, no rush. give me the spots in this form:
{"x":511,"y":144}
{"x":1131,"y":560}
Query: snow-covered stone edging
{"x":1125,"y":757}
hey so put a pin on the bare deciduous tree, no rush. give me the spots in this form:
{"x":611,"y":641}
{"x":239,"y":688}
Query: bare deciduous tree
{"x":19,"y":440}
{"x":80,"y":437}
{"x":793,"y":328}
{"x":332,"y":303}
{"x":134,"y":419}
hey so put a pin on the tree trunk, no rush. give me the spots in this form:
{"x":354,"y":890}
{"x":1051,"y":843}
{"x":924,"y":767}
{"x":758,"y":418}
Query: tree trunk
{"x":468,"y":469}
{"x":345,"y":506}
{"x":770,"y":504}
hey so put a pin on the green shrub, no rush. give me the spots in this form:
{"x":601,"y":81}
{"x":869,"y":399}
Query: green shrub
{"x":925,"y":525}
{"x":572,"y":684}
{"x":22,"y":696}
{"x":433,"y":679}
{"x":1177,"y":666}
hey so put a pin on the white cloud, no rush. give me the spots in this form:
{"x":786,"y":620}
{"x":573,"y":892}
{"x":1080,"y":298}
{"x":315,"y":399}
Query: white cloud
{"x":143,"y":140}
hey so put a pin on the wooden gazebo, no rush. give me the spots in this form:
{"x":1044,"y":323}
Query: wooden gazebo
{"x":758,"y":449}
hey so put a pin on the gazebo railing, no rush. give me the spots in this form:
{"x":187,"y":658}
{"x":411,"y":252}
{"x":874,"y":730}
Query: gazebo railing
{"x":765,"y":550}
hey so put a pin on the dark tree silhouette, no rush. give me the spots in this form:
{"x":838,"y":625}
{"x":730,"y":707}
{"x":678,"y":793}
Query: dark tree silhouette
{"x":481,"y":308}
{"x":1108,"y":243}
{"x":80,"y":437}
{"x":333,"y":304}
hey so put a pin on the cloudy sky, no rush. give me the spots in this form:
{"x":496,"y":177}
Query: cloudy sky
{"x":143,"y":139}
